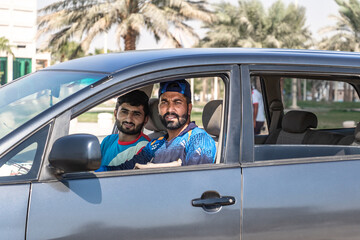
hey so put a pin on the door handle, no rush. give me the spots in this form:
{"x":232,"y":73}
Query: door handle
{"x":211,"y":201}
{"x":223,"y":201}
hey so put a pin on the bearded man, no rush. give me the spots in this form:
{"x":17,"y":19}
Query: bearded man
{"x":184,"y":144}
{"x":131,"y":114}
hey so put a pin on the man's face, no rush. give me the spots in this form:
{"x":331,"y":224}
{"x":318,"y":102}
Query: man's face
{"x":174,"y":110}
{"x":130,"y":119}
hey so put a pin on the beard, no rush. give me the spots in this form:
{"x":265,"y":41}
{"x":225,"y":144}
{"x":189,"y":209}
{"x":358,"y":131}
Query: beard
{"x":172,"y":125}
{"x":134,"y":131}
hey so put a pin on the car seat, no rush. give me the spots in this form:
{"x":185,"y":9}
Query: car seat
{"x":212,"y":121}
{"x":294,"y":126}
{"x":352,"y":139}
{"x":154,"y":125}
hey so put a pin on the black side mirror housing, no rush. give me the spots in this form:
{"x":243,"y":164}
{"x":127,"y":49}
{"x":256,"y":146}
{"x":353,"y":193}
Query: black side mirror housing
{"x":76,"y":153}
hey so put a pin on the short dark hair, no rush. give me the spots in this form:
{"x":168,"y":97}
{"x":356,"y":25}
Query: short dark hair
{"x":134,"y":98}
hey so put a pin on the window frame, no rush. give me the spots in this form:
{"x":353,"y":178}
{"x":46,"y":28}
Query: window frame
{"x":228,"y":73}
{"x":331,"y":72}
{"x":33,"y":174}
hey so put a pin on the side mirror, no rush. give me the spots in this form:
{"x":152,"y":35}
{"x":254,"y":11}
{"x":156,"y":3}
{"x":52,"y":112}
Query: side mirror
{"x":76,"y":153}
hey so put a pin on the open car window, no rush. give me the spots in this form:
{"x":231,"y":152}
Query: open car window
{"x":208,"y":94}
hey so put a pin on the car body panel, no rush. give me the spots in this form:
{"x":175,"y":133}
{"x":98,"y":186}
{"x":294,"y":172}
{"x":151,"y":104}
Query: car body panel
{"x":13,"y":210}
{"x":302,"y":201}
{"x":150,"y":206}
{"x":162,"y":59}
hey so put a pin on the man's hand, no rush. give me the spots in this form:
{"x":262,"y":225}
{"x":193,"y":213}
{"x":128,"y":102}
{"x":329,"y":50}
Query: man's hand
{"x":158,"y":165}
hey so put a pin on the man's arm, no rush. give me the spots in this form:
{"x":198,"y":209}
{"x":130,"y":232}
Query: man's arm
{"x":201,"y":149}
{"x":142,"y":157}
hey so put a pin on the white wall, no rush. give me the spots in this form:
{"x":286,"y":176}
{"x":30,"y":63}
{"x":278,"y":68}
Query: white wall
{"x":18,"y":25}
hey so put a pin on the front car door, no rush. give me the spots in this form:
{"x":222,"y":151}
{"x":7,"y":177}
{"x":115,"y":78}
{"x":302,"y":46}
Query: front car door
{"x":146,"y":204}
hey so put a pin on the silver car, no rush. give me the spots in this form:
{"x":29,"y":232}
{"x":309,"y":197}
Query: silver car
{"x":298,"y":179}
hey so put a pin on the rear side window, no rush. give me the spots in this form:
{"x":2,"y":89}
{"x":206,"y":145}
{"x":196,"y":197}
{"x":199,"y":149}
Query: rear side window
{"x":335,"y":103}
{"x":309,"y":117}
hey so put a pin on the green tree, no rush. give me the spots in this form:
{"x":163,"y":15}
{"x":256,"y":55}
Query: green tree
{"x":250,"y":25}
{"x":86,"y":19}
{"x":346,"y":32}
{"x":5,"y":46}
{"x":67,"y":51}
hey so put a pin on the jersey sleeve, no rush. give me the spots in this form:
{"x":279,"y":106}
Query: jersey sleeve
{"x":142,"y":157}
{"x":201,"y":149}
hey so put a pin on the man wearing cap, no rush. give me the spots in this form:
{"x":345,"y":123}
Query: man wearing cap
{"x":184,"y":144}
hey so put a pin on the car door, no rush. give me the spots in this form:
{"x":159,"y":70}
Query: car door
{"x":148,"y":204}
{"x":302,"y":191}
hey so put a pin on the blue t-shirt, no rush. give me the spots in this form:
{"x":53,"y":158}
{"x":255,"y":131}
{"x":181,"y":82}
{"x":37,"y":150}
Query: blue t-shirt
{"x":192,"y":146}
{"x":115,"y":152}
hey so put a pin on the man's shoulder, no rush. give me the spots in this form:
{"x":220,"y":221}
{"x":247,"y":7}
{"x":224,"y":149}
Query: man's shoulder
{"x":144,"y":137}
{"x":198,"y":130}
{"x":110,"y":138}
{"x":199,"y":133}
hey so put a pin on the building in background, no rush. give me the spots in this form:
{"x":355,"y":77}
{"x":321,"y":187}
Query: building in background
{"x":18,"y":25}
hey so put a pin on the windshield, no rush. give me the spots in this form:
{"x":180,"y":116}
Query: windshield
{"x":24,"y":99}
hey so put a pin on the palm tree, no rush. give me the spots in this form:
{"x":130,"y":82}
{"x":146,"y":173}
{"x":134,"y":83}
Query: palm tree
{"x":346,"y":31}
{"x":67,"y":51}
{"x":250,"y":25}
{"x":235,"y":26}
{"x":86,"y":19}
{"x":5,"y":46}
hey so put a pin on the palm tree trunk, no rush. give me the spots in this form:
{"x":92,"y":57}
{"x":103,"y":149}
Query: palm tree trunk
{"x":130,"y":39}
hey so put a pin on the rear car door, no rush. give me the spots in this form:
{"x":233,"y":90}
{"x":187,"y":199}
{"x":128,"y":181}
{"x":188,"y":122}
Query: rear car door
{"x":300,"y":191}
{"x":152,"y":203}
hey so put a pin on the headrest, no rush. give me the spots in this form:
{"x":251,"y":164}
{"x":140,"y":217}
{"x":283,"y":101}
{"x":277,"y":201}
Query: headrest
{"x":211,"y":117}
{"x":298,"y":121}
{"x":154,"y":123}
{"x":276,"y":105}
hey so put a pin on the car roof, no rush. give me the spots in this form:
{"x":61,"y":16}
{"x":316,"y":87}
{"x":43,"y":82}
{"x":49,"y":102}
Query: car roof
{"x":115,"y":62}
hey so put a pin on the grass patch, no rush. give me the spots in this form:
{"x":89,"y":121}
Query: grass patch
{"x":335,"y":118}
{"x":88,"y":117}
{"x":328,"y":105}
{"x":197,"y":117}
{"x":332,"y":114}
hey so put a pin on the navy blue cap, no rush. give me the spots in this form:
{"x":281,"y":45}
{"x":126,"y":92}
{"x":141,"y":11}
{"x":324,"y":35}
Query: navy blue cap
{"x":180,"y":86}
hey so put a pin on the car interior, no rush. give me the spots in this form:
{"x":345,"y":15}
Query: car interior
{"x":295,"y":133}
{"x":207,"y":113}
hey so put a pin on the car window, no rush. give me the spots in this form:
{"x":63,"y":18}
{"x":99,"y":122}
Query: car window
{"x":335,"y":103}
{"x":100,"y":120}
{"x":24,"y":160}
{"x":23,"y":99}
{"x":258,"y":106}
{"x":306,"y":113}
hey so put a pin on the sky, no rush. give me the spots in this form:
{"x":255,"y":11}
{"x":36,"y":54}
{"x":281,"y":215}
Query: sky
{"x":317,"y":17}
